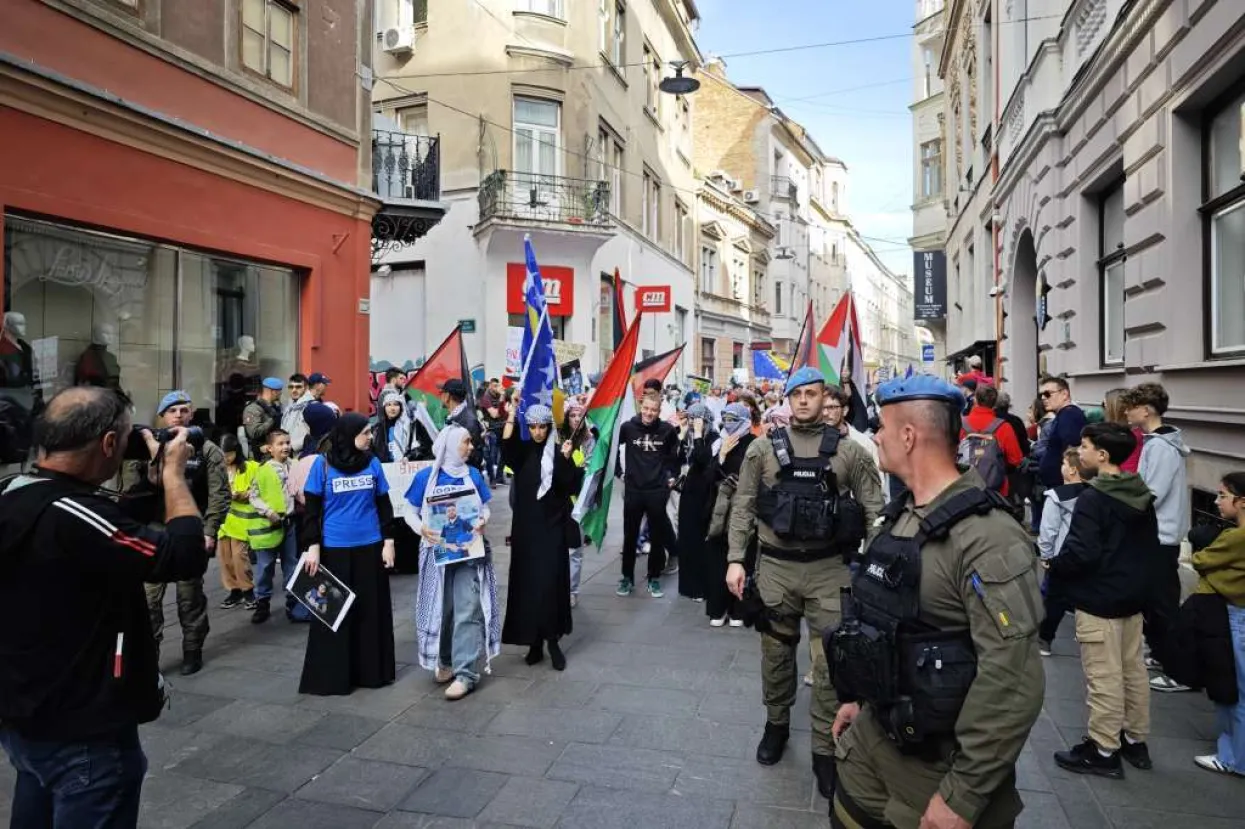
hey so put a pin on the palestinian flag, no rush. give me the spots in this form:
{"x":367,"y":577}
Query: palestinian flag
{"x":448,"y":362}
{"x":839,"y":344}
{"x":805,"y":347}
{"x":604,"y":414}
{"x":620,"y":310}
{"x":657,"y":367}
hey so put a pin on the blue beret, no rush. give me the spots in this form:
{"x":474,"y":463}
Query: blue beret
{"x":803,"y":377}
{"x":918,"y":387}
{"x":273,"y":383}
{"x":173,"y":398}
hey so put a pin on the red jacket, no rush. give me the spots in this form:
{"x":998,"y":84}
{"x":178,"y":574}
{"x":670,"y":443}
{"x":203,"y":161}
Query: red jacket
{"x":978,"y":420}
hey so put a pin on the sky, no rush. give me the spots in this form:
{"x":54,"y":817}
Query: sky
{"x":868,"y":128}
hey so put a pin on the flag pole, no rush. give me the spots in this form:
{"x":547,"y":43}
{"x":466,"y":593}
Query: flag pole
{"x":799,"y":340}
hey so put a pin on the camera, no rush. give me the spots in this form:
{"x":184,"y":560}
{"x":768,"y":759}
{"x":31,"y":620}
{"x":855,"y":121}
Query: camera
{"x":137,"y":448}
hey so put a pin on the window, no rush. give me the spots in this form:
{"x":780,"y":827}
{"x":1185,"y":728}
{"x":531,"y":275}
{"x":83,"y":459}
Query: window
{"x":414,"y":120}
{"x":617,"y":51}
{"x":537,"y":134}
{"x":708,"y":269}
{"x":400,"y":13}
{"x":610,"y":157}
{"x":1224,"y":212}
{"x":927,"y":79}
{"x":834,"y":196}
{"x":268,"y":40}
{"x":652,"y":81}
{"x":680,"y":230}
{"x":603,"y":20}
{"x":1111,"y":273}
{"x":706,"y":358}
{"x":650,"y":220}
{"x":931,"y":169}
{"x":738,"y":273}
{"x":156,"y":317}
{"x":551,"y":8}
{"x":737,"y":355}
{"x":758,"y":287}
{"x":777,"y":297}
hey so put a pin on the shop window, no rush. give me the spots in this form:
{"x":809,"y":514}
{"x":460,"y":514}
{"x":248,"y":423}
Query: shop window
{"x":706,"y":358}
{"x":99,"y":309}
{"x":737,"y":355}
{"x":1111,"y":273}
{"x":556,"y":324}
{"x":1224,"y":214}
{"x":268,"y":40}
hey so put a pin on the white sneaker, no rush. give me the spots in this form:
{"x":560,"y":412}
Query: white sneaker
{"x":737,"y":623}
{"x":457,"y":690}
{"x":1210,"y":762}
{"x":717,"y":623}
{"x":1167,"y":685}
{"x":808,"y":678}
{"x":574,"y":600}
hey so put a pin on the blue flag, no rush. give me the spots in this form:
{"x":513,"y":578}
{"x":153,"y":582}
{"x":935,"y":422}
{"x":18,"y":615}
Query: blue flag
{"x":540,"y":366}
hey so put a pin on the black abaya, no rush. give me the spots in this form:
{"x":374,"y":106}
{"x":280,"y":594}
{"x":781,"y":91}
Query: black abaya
{"x":361,"y":653}
{"x":695,"y":510}
{"x":719,"y":602}
{"x":538,"y":597}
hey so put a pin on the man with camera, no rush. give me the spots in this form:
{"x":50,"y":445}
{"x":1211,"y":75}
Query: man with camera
{"x":78,"y":674}
{"x":209,"y":486}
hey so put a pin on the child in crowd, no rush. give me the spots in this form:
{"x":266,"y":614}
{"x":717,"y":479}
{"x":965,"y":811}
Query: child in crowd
{"x":1100,"y":572}
{"x":233,"y":539}
{"x":1056,"y":519}
{"x":272,"y":499}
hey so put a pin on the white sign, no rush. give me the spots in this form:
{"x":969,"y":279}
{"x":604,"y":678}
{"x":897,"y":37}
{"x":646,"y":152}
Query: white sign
{"x":43,"y":354}
{"x":514,"y":351}
{"x":399,"y":476}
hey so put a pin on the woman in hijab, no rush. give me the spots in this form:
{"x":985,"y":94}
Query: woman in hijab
{"x":396,"y":437}
{"x":583,"y":440}
{"x":348,"y":526}
{"x":456,"y":617}
{"x":727,"y":459}
{"x":538,"y":605}
{"x":696,"y":444}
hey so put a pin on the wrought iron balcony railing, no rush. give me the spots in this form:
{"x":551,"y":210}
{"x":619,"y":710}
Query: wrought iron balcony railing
{"x":406,"y":166}
{"x":510,"y":194}
{"x":782,"y":187}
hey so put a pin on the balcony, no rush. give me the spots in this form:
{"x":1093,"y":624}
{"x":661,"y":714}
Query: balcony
{"x":782,"y":187}
{"x":406,"y":176}
{"x":511,"y":196}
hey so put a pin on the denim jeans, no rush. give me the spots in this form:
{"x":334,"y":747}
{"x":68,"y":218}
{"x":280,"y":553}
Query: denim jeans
{"x":265,"y":571}
{"x":83,"y":784}
{"x":1231,"y":718}
{"x":492,"y":456}
{"x":462,"y":622}
{"x":577,"y":566}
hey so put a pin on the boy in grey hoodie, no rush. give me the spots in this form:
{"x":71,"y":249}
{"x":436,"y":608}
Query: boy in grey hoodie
{"x":1056,"y":519}
{"x":1162,"y":467}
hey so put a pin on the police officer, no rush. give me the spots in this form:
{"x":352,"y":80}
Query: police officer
{"x":808,"y":493}
{"x":936,"y":661}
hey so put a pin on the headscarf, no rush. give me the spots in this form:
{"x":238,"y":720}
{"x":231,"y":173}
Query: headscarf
{"x":540,"y":415}
{"x":736,"y":419}
{"x":401,"y":425}
{"x":343,"y":455}
{"x":778,"y":416}
{"x":446,"y":458}
{"x":320,"y":420}
{"x":699,"y":411}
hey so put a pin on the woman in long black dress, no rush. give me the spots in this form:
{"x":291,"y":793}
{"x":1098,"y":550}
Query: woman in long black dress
{"x":348,"y":526}
{"x":538,"y":604}
{"x":696,"y":444}
{"x":736,"y":438}
{"x":396,"y":437}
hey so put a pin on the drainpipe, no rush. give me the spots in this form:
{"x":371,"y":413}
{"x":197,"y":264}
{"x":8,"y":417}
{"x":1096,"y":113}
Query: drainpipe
{"x":999,"y":299}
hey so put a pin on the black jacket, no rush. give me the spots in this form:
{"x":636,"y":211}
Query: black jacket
{"x":466,"y":418}
{"x":77,"y":657}
{"x":652,"y":454}
{"x":1103,"y":565}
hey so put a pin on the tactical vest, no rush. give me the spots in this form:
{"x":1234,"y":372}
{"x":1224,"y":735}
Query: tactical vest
{"x":914,"y":675}
{"x":804,"y":505}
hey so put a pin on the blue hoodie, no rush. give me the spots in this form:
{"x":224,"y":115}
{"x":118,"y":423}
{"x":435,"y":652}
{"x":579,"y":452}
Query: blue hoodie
{"x":1162,"y":467}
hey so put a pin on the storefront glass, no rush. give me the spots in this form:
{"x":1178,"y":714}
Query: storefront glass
{"x":83,"y":307}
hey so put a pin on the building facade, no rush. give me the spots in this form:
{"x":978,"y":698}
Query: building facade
{"x":552,"y":127}
{"x":1119,"y":207}
{"x":884,"y":310}
{"x":732,"y":283}
{"x":186,"y":198}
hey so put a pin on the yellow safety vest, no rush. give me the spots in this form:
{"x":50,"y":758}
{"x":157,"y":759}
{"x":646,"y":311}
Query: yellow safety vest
{"x":243,"y":522}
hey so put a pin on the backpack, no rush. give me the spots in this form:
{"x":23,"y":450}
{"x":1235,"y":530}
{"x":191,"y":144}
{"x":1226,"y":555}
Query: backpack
{"x":981,"y":451}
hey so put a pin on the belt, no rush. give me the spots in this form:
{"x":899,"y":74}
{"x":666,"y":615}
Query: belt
{"x":845,"y":813}
{"x":797,"y":555}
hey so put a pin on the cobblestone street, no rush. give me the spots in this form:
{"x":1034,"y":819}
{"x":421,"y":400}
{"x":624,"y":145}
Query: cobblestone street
{"x":653,"y":724}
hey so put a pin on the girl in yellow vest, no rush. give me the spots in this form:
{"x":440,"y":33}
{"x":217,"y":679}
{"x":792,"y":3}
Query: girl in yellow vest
{"x":245,"y":528}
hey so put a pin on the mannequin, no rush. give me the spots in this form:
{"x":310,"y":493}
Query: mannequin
{"x":16,"y":358}
{"x":237,"y":383}
{"x":98,"y":366}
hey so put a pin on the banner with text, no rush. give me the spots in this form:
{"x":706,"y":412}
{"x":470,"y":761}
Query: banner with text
{"x":929,"y":285}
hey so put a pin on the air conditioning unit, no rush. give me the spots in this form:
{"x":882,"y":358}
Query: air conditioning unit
{"x":399,"y":40}
{"x":751,"y":197}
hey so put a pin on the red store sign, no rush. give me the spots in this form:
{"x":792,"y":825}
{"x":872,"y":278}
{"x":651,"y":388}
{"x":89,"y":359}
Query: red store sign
{"x":651,"y":298}
{"x":559,"y":288}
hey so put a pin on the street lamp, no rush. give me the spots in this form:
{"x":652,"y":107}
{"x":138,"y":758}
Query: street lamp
{"x":678,"y":85}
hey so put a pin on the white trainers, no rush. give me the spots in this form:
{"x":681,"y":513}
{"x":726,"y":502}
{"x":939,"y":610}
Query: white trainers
{"x":574,"y":600}
{"x":457,"y":690}
{"x":1210,"y":762}
{"x":717,"y":623}
{"x":737,"y":623}
{"x":443,"y":675}
{"x":808,"y":678}
{"x":1165,"y":684}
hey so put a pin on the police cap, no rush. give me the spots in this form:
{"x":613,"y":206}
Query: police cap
{"x":919,"y":387}
{"x":803,"y":377}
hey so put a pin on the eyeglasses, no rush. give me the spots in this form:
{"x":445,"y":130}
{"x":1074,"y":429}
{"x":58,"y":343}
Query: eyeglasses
{"x":1049,"y":393}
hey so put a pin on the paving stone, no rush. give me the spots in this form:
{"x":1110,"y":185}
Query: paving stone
{"x":499,"y":690}
{"x":469,"y":715}
{"x":631,"y":699}
{"x":186,"y":708}
{"x":557,"y":693}
{"x":758,"y":817}
{"x":459,"y":793}
{"x":340,"y":731}
{"x":602,"y":808}
{"x":506,"y":755}
{"x":304,"y":815}
{"x":171,"y":801}
{"x":166,"y":747}
{"x":562,"y":725}
{"x":238,"y":683}
{"x":618,"y":767}
{"x":737,"y":708}
{"x":526,"y":802}
{"x":680,"y":733}
{"x":788,"y":784}
{"x":262,"y":765}
{"x":241,"y":811}
{"x":378,"y":703}
{"x":409,"y":746}
{"x":1041,"y":811}
{"x":1130,"y":818}
{"x":253,"y":656}
{"x":261,"y":721}
{"x":414,"y":820}
{"x":363,"y":784}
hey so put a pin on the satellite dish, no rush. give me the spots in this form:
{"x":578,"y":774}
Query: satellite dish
{"x":679,"y":85}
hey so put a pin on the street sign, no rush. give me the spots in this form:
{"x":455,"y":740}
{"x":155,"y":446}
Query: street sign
{"x":652,"y":298}
{"x":467,"y":326}
{"x":927,"y":353}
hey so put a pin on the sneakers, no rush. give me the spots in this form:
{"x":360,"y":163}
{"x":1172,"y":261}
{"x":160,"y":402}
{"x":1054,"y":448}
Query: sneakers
{"x":457,"y":690}
{"x":1210,"y":762}
{"x":1044,"y":647}
{"x":717,"y":623}
{"x":1137,"y":754}
{"x":248,"y":600}
{"x":574,"y":600}
{"x":654,"y":588}
{"x":262,"y":612}
{"x":1085,"y":758}
{"x":672,"y":567}
{"x":625,"y":587}
{"x":773,"y":744}
{"x":232,"y":600}
{"x":1166,"y":685}
{"x":443,"y":675}
{"x":808,"y":677}
{"x":737,"y":623}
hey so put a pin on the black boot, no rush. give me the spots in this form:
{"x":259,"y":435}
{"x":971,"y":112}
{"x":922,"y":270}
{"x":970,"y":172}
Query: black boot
{"x":192,"y":662}
{"x":262,"y":612}
{"x":534,"y":654}
{"x":773,"y":743}
{"x":1085,"y":758}
{"x":824,"y":771}
{"x":556,"y":657}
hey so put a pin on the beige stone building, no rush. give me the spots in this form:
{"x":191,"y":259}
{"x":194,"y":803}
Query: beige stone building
{"x":552,"y":126}
{"x":1118,"y":202}
{"x":732,"y":282}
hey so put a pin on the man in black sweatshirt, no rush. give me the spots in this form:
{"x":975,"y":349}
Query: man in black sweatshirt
{"x":79,"y":673}
{"x":650,"y":454}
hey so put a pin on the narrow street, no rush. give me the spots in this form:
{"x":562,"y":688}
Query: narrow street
{"x":653,"y":724}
